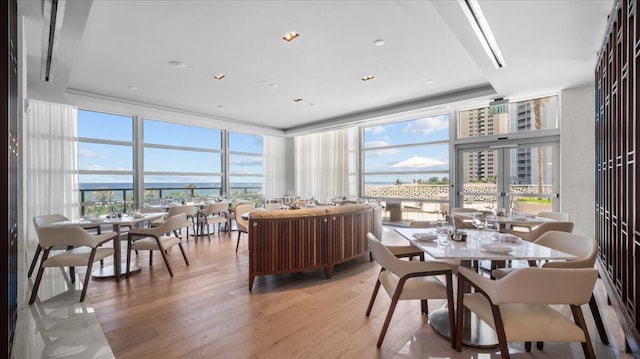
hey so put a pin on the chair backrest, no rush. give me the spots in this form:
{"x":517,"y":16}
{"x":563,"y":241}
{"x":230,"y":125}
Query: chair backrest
{"x":220,"y":207}
{"x":423,"y":224}
{"x":173,"y":223}
{"x":187,"y":209}
{"x":382,"y":254}
{"x":559,"y":216}
{"x":75,"y":236}
{"x":240,"y":210}
{"x":543,"y":228}
{"x":39,"y":221}
{"x":584,"y":248}
{"x":545,"y":286}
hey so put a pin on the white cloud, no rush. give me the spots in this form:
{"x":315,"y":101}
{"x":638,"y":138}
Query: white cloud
{"x":96,"y":168}
{"x":428,"y":125}
{"x":255,"y":161}
{"x":376,"y":130}
{"x":85,"y":153}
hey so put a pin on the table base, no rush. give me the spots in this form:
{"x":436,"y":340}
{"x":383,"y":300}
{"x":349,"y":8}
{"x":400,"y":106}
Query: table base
{"x":476,"y":334}
{"x":109,"y":271}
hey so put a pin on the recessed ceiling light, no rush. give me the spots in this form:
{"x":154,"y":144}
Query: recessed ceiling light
{"x":368,"y":77}
{"x":297,"y":99}
{"x":379,"y":42}
{"x":133,"y":88}
{"x":290,"y":36}
{"x":178,"y":64}
{"x":220,"y":106}
{"x":430,"y":82}
{"x":219,"y":76}
{"x":273,"y":85}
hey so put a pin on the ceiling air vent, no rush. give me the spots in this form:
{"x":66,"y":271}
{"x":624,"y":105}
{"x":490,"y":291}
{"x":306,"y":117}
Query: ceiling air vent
{"x":53,"y":14}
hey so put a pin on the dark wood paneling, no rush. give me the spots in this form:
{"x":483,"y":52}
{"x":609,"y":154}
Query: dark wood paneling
{"x":9,"y":168}
{"x":617,"y":226}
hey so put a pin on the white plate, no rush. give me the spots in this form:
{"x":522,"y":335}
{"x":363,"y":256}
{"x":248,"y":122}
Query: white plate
{"x":425,"y":237}
{"x":518,"y":218}
{"x":510,"y":238}
{"x":93,"y":220}
{"x":497,"y":247}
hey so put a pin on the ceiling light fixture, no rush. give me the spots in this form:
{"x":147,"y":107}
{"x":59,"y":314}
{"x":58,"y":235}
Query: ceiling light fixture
{"x":379,"y":42}
{"x":178,"y":64}
{"x":430,"y":82}
{"x":368,"y":77}
{"x":297,"y":99}
{"x":219,"y":76}
{"x":290,"y":36}
{"x":133,"y":88}
{"x":480,"y":26}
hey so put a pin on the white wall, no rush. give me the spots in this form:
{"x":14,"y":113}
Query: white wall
{"x":577,"y":157}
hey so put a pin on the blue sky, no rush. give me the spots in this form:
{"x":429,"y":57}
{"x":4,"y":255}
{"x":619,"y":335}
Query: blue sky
{"x":420,"y":135}
{"x":108,"y":157}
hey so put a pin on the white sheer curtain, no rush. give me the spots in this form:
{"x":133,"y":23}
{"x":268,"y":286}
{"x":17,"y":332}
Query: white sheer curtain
{"x":274,"y":163}
{"x":326,"y":164}
{"x":50,"y":169}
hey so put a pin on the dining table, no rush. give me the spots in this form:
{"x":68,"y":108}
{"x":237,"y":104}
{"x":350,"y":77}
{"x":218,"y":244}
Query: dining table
{"x":117,"y":222}
{"x":478,"y":245}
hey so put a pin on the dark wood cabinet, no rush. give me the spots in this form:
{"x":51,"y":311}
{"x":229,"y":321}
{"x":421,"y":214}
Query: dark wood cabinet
{"x":617,"y":187}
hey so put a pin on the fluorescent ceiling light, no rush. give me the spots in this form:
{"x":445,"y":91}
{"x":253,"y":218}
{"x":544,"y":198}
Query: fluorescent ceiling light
{"x":471,"y":9}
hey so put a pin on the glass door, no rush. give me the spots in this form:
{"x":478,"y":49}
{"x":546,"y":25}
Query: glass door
{"x":514,"y":177}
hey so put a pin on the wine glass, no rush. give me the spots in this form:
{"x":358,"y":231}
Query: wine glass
{"x":476,"y":221}
{"x":491,"y":224}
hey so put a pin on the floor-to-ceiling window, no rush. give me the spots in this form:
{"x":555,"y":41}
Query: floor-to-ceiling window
{"x":181,"y":162}
{"x":105,"y":162}
{"x":406,"y":165}
{"x":245,"y":166}
{"x":507,"y":156}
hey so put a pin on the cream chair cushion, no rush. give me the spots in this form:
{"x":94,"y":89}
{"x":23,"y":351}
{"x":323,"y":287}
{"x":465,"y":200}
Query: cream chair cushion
{"x":150,"y":244}
{"x":76,"y":257}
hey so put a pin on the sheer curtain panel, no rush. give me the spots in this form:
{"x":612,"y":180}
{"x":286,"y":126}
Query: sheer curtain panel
{"x":274,"y":156}
{"x":326,"y":163}
{"x":50,"y":163}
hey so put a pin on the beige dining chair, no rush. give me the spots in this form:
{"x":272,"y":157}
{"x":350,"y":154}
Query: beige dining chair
{"x":44,"y":220}
{"x":519,"y":307}
{"x":540,"y":229}
{"x":404,"y":280}
{"x":585,"y":249}
{"x":158,"y":238}
{"x":242,"y":223}
{"x":215,"y":213}
{"x":84,"y":251}
{"x":189,"y":211}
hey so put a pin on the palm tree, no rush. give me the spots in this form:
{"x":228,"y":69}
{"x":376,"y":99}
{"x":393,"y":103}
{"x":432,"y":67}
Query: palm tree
{"x":537,"y":106}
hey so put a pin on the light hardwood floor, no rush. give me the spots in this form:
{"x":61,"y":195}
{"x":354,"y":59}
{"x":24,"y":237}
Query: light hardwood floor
{"x":206,"y":311}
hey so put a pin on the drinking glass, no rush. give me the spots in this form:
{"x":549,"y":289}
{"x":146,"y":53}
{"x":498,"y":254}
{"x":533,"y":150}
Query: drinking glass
{"x":491,"y":224}
{"x":476,"y":221}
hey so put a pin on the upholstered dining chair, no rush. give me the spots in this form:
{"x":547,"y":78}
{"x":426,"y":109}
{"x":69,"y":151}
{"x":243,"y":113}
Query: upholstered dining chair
{"x":215,"y":213}
{"x":585,"y":249}
{"x":540,"y":229}
{"x":157,"y":239}
{"x":404,"y":280}
{"x":242,"y":223}
{"x":84,"y":251}
{"x":44,"y":220}
{"x":189,"y":211}
{"x":157,"y":221}
{"x":519,"y":306}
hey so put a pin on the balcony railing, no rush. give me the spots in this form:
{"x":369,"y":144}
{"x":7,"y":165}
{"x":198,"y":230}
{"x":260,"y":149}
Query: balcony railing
{"x":99,"y":201}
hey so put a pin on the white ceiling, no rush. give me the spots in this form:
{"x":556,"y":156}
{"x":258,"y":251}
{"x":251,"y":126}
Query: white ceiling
{"x":108,"y":46}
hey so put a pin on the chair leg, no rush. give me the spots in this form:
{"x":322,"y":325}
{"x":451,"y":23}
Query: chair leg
{"x":34,"y":261}
{"x":164,"y":257}
{"x":373,"y":297}
{"x":451,"y":308}
{"x":184,"y":255}
{"x":424,"y":306}
{"x":206,"y":224}
{"x":459,"y":319}
{"x":126,"y":273}
{"x":387,"y":320}
{"x":540,"y":345}
{"x":88,"y":274}
{"x":36,"y":285}
{"x":593,"y":305}
{"x":578,"y":318}
{"x":527,"y":346}
{"x":238,"y":243}
{"x":502,"y":337}
{"x":151,"y":258}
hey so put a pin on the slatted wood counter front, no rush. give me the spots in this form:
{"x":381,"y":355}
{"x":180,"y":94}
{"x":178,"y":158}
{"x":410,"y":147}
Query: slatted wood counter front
{"x":292,"y":241}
